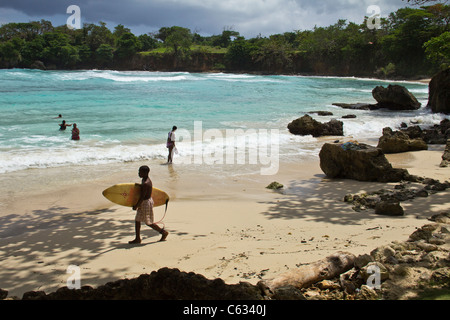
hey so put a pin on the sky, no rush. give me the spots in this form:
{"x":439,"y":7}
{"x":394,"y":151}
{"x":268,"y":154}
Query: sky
{"x":206,"y":17}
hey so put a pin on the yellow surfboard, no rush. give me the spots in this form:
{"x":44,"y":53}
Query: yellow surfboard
{"x":127,"y":194}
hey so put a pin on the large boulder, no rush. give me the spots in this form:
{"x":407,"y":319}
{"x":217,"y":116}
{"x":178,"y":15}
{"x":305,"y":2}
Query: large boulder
{"x":439,"y":92}
{"x":395,"y":97}
{"x":359,"y":162}
{"x":398,"y":141}
{"x":306,"y":125}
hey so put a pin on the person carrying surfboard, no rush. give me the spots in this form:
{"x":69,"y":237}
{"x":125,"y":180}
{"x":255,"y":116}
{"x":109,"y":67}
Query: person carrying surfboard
{"x":171,"y":143}
{"x":144,"y":207}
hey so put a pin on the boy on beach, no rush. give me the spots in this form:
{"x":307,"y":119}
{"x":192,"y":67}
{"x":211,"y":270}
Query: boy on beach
{"x":144,"y":207}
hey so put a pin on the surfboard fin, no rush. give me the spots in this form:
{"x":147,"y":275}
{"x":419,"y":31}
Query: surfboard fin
{"x":167,"y":203}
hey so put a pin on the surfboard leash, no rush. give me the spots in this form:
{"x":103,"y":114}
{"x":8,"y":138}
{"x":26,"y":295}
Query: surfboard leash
{"x":165,"y":211}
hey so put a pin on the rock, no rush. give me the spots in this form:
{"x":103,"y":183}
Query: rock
{"x":349,"y":116}
{"x":367,"y":271}
{"x":398,"y":141}
{"x":383,"y":253}
{"x":439,"y":93}
{"x":322,"y":113}
{"x":424,"y":233}
{"x":164,"y":284}
{"x":389,"y":208}
{"x":3,"y":294}
{"x":446,"y":156}
{"x":38,"y":65}
{"x":363,"y":260}
{"x":438,"y":134}
{"x":443,"y":217}
{"x":306,"y":125}
{"x":34,"y":295}
{"x":357,"y":106}
{"x":367,"y":293}
{"x":441,"y":277}
{"x":275,"y":186}
{"x":288,"y":293}
{"x":395,"y":97}
{"x":361,"y":162}
{"x":327,"y":285}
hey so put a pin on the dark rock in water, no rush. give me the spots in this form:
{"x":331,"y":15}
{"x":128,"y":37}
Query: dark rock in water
{"x":357,"y":106}
{"x":438,"y":134}
{"x":306,"y":125}
{"x":322,"y":113}
{"x":359,"y":162}
{"x":439,"y":93}
{"x":395,"y":97}
{"x":389,"y":208}
{"x":398,"y":141}
{"x":349,"y":116}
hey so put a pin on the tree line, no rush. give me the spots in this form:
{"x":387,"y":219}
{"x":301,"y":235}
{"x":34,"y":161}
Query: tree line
{"x":409,"y":42}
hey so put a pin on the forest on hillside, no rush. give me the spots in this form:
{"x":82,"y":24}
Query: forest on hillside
{"x":411,"y":42}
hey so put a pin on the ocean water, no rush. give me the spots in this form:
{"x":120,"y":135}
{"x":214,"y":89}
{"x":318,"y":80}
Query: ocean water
{"x":125,"y":116}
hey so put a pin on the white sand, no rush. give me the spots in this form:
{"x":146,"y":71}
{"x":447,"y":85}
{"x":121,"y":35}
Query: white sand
{"x":220,"y":225}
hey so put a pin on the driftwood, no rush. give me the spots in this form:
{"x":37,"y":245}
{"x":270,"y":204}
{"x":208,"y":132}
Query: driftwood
{"x":309,"y":274}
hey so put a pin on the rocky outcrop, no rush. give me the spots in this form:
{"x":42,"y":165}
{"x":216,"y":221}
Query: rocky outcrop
{"x":164,"y":284}
{"x":359,"y":162}
{"x":446,"y":156}
{"x":387,"y":201}
{"x":395,"y":97}
{"x":306,"y":125}
{"x":357,"y":106}
{"x":398,"y":141}
{"x":439,"y":93}
{"x":437,"y":134}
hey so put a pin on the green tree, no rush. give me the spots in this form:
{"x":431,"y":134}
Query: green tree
{"x":179,"y":40}
{"x":95,"y":35}
{"x":275,"y":55}
{"x":147,"y":42}
{"x":58,"y":50}
{"x":10,"y":52}
{"x":240,"y":54}
{"x":127,"y":45}
{"x":104,"y":54}
{"x":32,"y":50}
{"x":438,"y":50}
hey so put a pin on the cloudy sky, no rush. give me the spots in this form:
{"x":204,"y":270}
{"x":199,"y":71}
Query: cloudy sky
{"x":207,"y":17}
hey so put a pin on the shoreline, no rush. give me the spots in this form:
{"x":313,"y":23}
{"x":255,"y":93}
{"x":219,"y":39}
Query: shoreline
{"x":228,"y":227}
{"x":425,"y":80}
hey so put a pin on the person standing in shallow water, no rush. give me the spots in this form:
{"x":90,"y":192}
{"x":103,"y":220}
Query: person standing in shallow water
{"x":144,"y":207}
{"x":171,"y":143}
{"x":75,"y":132}
{"x":64,"y":125}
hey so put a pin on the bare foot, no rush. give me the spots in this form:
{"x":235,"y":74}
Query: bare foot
{"x":135,"y":241}
{"x":164,"y":235}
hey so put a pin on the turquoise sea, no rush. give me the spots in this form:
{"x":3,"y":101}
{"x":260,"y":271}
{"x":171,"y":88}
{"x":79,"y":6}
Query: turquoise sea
{"x":125,"y":116}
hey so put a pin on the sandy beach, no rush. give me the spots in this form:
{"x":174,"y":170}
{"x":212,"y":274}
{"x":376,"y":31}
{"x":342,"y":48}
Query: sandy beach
{"x":221,"y":225}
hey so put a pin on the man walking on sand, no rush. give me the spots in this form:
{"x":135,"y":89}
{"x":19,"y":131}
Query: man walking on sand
{"x":144,"y":207}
